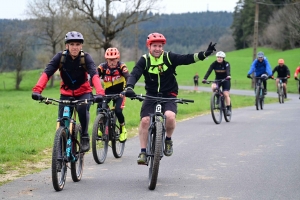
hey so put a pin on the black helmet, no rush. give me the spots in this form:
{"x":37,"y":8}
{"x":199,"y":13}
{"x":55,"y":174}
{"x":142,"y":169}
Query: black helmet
{"x":74,"y":36}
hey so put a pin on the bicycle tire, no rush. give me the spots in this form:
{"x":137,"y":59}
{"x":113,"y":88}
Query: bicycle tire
{"x":77,"y":166}
{"x":227,"y":118}
{"x":216,"y":108}
{"x":59,"y":174}
{"x":279,"y":95}
{"x":257,"y":99}
{"x":99,"y":143}
{"x":282,"y":94}
{"x":117,"y":146}
{"x":156,"y":150}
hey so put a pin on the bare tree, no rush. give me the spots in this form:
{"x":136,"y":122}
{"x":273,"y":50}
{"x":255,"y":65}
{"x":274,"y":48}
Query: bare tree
{"x":51,"y":20}
{"x":108,"y":20}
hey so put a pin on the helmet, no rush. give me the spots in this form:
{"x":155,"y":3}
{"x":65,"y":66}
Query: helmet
{"x":155,"y":37}
{"x":112,"y":53}
{"x":280,"y":61}
{"x":74,"y":36}
{"x":220,"y":54}
{"x":260,"y":54}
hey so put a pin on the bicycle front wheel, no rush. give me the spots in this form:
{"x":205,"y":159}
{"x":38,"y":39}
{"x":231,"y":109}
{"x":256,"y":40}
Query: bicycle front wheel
{"x":281,"y":96}
{"x":77,"y":165}
{"x":257,"y":97}
{"x":59,"y":166}
{"x":99,"y":139}
{"x":155,"y":150}
{"x":116,"y":145}
{"x":216,"y":108}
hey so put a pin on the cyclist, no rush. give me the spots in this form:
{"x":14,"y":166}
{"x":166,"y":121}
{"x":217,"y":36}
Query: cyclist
{"x":196,"y":80}
{"x":158,"y":68}
{"x":296,"y":78}
{"x":74,"y":81}
{"x":114,"y":74}
{"x":222,"y":71}
{"x":260,"y":66}
{"x":282,"y":71}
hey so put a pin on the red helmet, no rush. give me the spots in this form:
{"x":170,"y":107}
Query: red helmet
{"x":111,"y":53}
{"x":280,"y":61}
{"x":155,"y":37}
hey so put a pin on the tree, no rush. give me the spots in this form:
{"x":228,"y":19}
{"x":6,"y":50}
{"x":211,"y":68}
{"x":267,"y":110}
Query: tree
{"x":14,"y":45}
{"x":104,"y":24}
{"x":51,"y":20}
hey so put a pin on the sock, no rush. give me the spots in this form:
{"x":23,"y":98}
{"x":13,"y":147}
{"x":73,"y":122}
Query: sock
{"x":168,"y":138}
{"x":143,"y":150}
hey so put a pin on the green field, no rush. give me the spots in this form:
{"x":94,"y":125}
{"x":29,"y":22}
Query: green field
{"x":28,"y":127}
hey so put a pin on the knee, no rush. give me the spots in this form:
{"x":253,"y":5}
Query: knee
{"x":145,"y":121}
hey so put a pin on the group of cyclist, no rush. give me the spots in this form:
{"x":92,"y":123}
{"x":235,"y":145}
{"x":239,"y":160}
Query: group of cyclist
{"x":158,"y":68}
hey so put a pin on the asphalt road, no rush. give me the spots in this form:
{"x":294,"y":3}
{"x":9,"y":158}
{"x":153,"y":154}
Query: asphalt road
{"x":255,"y":156}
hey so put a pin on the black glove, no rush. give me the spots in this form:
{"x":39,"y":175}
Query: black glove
{"x":210,"y":49}
{"x":204,"y":81}
{"x":296,"y":78}
{"x":248,"y":76}
{"x":228,"y":78}
{"x":129,"y":92}
{"x":36,"y":96}
{"x":98,"y":98}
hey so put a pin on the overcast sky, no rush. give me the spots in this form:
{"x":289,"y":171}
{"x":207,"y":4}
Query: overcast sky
{"x":15,"y":8}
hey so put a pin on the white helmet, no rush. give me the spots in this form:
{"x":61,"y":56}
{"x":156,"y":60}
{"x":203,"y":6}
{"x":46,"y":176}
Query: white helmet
{"x":221,"y":54}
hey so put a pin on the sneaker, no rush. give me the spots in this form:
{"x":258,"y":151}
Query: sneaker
{"x":123,"y":134}
{"x":85,"y":144}
{"x":142,"y":159}
{"x":265,"y":91}
{"x":228,"y":112}
{"x":168,"y":148}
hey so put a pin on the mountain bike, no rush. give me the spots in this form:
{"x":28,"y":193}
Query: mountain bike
{"x":259,"y":93}
{"x":67,"y":143}
{"x":156,"y":134}
{"x":280,"y":90}
{"x":217,"y":103}
{"x":105,"y":129}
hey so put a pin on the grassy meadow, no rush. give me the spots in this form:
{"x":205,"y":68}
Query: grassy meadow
{"x":28,"y":127}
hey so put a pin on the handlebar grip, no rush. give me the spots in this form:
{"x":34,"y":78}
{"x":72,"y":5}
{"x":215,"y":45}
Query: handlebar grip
{"x":188,"y":100}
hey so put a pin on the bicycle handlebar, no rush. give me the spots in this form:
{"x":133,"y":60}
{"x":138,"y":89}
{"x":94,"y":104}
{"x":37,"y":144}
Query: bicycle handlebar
{"x":281,"y":78}
{"x":216,"y":81}
{"x":176,"y":100}
{"x":48,"y":100}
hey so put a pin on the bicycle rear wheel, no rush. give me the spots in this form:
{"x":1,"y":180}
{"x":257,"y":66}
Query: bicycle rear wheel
{"x":156,"y":150}
{"x":77,"y":166}
{"x":99,"y":139}
{"x":59,"y":166}
{"x":227,"y":117}
{"x":216,"y":108}
{"x":117,"y":146}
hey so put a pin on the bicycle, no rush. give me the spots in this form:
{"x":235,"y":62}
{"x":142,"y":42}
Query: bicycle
{"x":280,"y":90}
{"x":217,"y":103}
{"x":156,"y":134}
{"x":105,"y":129}
{"x":259,"y":92}
{"x":67,"y":143}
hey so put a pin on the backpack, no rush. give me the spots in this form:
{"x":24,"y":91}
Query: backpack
{"x":165,"y":59}
{"x":63,"y":59}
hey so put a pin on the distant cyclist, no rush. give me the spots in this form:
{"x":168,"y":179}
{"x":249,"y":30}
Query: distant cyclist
{"x":282,"y":71}
{"x":261,"y":66}
{"x":114,"y":74}
{"x":222,"y":71}
{"x":296,"y":78}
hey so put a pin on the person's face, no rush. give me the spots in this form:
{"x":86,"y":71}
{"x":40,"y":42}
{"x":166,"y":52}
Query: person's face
{"x":280,"y":64}
{"x":260,"y":59}
{"x":74,"y":48}
{"x":156,"y":49}
{"x":220,"y":59}
{"x":112,"y":62}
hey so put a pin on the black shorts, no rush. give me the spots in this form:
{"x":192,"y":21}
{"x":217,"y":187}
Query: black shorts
{"x":149,"y":107}
{"x":284,"y":80}
{"x":225,"y":85}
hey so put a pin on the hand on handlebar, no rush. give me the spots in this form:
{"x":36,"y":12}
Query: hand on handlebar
{"x":296,"y":79}
{"x":36,"y":96}
{"x":98,"y":98}
{"x":248,"y":76}
{"x":128,"y":92}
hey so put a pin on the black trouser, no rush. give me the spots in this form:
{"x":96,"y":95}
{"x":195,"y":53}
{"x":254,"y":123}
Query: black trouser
{"x":82,"y":110}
